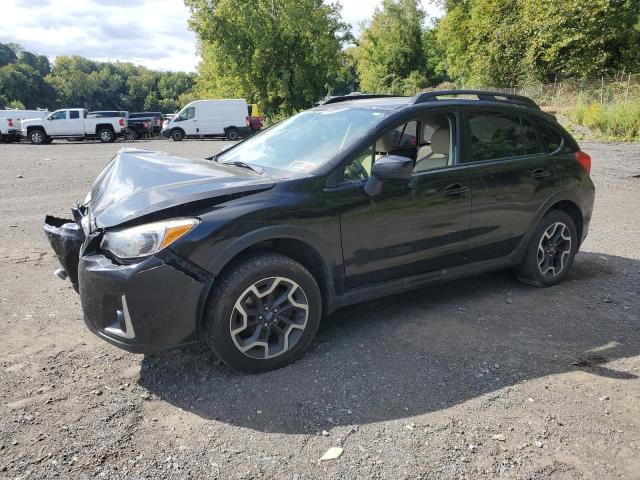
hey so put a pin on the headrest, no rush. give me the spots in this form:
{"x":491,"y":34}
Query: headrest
{"x":441,"y":141}
{"x":386,"y":142}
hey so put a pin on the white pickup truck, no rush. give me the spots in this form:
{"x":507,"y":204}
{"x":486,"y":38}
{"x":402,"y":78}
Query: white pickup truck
{"x":73,"y":123}
{"x":10,"y":122}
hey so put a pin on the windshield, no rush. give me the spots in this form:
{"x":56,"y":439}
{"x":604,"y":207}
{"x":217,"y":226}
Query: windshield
{"x":305,"y":141}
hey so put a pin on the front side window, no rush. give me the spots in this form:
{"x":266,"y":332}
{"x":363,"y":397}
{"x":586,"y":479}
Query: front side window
{"x":436,"y":146}
{"x":306,"y":140}
{"x":186,"y":114}
{"x":495,"y":135}
{"x":61,"y":115}
{"x":359,"y":168}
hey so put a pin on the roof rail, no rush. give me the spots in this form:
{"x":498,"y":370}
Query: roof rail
{"x":346,"y":98}
{"x":485,"y":95}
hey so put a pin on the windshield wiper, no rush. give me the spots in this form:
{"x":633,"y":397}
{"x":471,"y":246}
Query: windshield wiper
{"x":240,"y":164}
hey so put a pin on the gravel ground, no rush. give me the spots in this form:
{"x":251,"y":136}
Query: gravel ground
{"x":482,"y":378}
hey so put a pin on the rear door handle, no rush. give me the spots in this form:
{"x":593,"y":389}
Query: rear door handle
{"x":455,"y":189}
{"x":540,"y":173}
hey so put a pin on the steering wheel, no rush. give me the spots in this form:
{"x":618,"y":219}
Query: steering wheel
{"x":361,"y":170}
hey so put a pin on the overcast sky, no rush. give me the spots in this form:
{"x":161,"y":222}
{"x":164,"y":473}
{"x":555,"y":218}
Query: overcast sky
{"x":147,"y":32}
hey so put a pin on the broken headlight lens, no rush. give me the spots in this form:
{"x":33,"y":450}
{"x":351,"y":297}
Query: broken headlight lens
{"x":145,"y":240}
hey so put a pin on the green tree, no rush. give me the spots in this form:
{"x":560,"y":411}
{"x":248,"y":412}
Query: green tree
{"x":7,"y":55}
{"x":508,"y":42}
{"x":390,"y":54}
{"x":284,"y":54}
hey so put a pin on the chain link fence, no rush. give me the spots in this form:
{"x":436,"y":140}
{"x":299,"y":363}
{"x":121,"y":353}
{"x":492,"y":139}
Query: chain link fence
{"x":568,"y":93}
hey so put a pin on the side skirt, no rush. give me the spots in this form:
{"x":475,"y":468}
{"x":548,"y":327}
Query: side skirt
{"x":414,"y":282}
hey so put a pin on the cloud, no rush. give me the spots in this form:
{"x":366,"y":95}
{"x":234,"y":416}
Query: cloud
{"x":148,"y":32}
{"x":153,"y":33}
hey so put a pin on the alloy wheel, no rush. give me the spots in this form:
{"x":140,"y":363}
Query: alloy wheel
{"x":554,"y":249}
{"x":269,"y":318}
{"x":105,"y":135}
{"x":36,"y":137}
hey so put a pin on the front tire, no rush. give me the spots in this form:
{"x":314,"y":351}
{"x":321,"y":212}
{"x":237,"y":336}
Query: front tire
{"x":37,"y":137}
{"x":177,"y":135}
{"x":232,"y":134}
{"x":551,"y":251}
{"x":106,"y":135}
{"x":263,"y":314}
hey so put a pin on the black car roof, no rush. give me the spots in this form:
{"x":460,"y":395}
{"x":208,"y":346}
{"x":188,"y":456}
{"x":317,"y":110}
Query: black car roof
{"x":460,"y":97}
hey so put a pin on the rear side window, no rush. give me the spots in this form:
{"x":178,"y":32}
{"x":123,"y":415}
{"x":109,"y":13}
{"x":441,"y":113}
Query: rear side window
{"x":532,"y":144}
{"x":74,"y":114}
{"x":551,"y":139}
{"x":495,"y":135}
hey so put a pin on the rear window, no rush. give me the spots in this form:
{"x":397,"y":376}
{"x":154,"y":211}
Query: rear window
{"x":495,"y":135}
{"x":74,"y":114}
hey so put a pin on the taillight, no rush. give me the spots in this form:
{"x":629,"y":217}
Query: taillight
{"x":248,"y":120}
{"x":10,"y":122}
{"x":145,"y":124}
{"x":121,"y":122}
{"x":584,"y":160}
{"x":158,"y":121}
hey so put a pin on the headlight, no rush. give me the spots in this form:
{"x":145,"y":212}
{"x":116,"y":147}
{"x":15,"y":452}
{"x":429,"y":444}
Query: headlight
{"x":145,"y":240}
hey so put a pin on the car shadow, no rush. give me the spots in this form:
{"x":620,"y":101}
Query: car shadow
{"x":421,"y":351}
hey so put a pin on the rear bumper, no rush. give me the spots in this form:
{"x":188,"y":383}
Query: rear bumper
{"x":13,"y":135}
{"x":166,"y":133}
{"x":144,"y":307}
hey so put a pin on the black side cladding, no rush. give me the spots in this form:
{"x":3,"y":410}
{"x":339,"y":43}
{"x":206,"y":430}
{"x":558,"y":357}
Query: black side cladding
{"x":66,"y":237}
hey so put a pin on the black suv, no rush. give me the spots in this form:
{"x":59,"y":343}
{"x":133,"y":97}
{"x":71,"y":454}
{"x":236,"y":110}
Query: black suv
{"x":356,"y":199}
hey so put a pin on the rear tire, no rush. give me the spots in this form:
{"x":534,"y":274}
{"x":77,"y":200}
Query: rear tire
{"x":177,"y":135}
{"x":38,"y":137}
{"x":232,"y":134}
{"x":551,"y":251}
{"x":263,"y":314}
{"x":132,"y":135}
{"x":106,"y":135}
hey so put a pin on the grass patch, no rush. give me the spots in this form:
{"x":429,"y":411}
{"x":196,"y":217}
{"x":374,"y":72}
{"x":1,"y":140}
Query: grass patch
{"x":618,"y":121}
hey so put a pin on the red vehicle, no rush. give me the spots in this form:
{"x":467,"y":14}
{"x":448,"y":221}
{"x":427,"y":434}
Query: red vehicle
{"x":254,"y":119}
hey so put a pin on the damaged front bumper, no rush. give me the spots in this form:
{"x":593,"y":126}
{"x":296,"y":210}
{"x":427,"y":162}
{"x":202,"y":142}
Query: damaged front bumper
{"x":143,"y":307}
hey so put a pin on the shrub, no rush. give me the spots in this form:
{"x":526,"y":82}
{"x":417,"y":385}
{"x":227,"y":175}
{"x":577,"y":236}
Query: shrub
{"x":615,"y":121}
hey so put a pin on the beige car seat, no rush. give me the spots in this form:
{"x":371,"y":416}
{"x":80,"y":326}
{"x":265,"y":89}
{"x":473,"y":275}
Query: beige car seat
{"x":435,"y":155}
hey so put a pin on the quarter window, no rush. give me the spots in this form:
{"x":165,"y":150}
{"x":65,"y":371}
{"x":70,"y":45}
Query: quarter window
{"x":495,"y":135}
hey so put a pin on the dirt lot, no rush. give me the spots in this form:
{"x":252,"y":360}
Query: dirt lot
{"x":483,"y":378}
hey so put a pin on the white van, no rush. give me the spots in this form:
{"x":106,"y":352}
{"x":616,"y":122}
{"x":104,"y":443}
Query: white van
{"x":10,"y":122}
{"x":209,"y":118}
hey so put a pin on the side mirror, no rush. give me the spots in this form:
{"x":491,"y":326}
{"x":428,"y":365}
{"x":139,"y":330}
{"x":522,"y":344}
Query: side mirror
{"x":389,"y":167}
{"x":49,"y":117}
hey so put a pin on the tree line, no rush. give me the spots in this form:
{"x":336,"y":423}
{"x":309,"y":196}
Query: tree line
{"x":28,"y":80}
{"x":288,"y":54}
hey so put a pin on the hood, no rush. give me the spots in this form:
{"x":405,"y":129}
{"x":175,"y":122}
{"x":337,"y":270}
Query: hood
{"x":139,"y":182}
{"x":31,"y":121}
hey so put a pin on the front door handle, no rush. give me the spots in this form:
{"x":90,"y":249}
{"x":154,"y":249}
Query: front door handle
{"x":540,"y":173}
{"x":456,"y":189}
